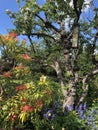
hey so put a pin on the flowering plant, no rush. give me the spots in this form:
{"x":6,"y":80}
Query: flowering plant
{"x":29,"y":100}
{"x":23,"y":99}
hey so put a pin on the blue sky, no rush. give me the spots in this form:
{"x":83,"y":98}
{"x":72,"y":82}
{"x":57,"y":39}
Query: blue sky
{"x":5,"y":21}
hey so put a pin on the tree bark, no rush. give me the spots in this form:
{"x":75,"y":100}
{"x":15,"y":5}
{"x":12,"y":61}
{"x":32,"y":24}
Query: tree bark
{"x":85,"y":88}
{"x":58,"y":70}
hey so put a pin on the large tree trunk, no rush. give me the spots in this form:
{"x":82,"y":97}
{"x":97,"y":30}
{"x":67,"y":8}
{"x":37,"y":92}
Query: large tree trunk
{"x":69,"y":94}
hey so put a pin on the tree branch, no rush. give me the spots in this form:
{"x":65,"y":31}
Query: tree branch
{"x":85,"y":85}
{"x":31,"y":43}
{"x":48,"y":24}
{"x":57,"y":68}
{"x":77,"y":8}
{"x":1,"y":90}
{"x":42,"y":35}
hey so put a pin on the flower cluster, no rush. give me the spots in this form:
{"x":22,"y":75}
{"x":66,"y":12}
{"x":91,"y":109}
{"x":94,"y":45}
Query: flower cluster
{"x":89,"y":116}
{"x":92,"y":119}
{"x":81,"y":110}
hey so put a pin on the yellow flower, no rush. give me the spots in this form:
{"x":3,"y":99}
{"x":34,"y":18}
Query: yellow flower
{"x":43,"y":80}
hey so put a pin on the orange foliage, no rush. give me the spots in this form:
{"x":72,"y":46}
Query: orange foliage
{"x":39,"y":103}
{"x":23,"y":99}
{"x":48,"y":92}
{"x":27,"y":108}
{"x":26,"y":57}
{"x":7,"y":74}
{"x":19,"y":67}
{"x":21,"y":87}
{"x":13,"y":34}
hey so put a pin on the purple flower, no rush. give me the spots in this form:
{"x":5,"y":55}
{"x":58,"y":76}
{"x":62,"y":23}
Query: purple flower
{"x":70,"y":107}
{"x":80,"y":107}
{"x":89,"y":117}
{"x":80,"y":112}
{"x":85,"y":106}
{"x":94,"y":125}
{"x":49,"y":115}
{"x":50,"y":111}
{"x":83,"y":117}
{"x":45,"y":115}
{"x":89,"y":123}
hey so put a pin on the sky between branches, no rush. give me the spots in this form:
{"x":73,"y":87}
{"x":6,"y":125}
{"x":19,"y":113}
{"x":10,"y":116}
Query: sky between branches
{"x":5,"y":21}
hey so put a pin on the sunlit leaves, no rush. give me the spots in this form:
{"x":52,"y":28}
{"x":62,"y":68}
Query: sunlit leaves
{"x":23,"y":116}
{"x":9,"y":39}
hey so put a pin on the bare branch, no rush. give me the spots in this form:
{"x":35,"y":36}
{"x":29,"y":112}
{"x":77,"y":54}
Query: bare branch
{"x":31,"y":43}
